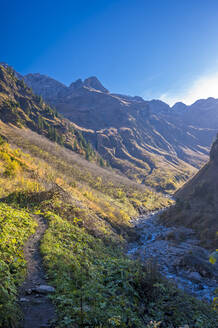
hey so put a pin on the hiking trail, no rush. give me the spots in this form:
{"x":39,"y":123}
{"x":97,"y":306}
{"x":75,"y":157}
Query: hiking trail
{"x":38,"y":310}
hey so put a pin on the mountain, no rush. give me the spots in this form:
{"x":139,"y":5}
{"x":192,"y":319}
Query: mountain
{"x":93,"y":83}
{"x":197,"y":203}
{"x":45,"y":86}
{"x":20,"y":107}
{"x":203,"y":113}
{"x":179,"y":107}
{"x":65,"y":224}
{"x":146,"y":140}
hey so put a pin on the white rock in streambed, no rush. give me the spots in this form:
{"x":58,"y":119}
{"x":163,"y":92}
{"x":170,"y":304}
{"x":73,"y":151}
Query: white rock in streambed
{"x":23,"y":299}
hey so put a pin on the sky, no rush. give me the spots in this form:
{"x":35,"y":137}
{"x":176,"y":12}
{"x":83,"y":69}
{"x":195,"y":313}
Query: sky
{"x":162,"y":49}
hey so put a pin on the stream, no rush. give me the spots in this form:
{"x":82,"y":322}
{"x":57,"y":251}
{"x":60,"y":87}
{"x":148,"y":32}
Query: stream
{"x":177,"y":253}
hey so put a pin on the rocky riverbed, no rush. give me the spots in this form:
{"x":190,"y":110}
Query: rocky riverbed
{"x":178,"y":255}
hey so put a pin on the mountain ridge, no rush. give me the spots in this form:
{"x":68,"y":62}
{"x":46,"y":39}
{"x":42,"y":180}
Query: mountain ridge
{"x":20,"y":107}
{"x":138,"y":137}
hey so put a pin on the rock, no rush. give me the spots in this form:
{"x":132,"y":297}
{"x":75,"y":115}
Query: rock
{"x":199,"y":264}
{"x":37,"y":301}
{"x":200,"y":252}
{"x":183,"y":262}
{"x":200,"y":287}
{"x":194,"y":276}
{"x":28,"y":291}
{"x":179,"y":234}
{"x":23,"y":299}
{"x":142,"y":210}
{"x":44,"y":289}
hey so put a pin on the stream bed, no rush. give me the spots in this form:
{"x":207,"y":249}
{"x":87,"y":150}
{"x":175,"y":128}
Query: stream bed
{"x":178,"y":255}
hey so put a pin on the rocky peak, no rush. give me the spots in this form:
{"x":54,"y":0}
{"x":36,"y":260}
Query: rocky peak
{"x":93,"y":82}
{"x":179,"y":107}
{"x":204,"y":104}
{"x":40,"y":78}
{"x":158,"y":106}
{"x":90,"y":83}
{"x":77,"y":84}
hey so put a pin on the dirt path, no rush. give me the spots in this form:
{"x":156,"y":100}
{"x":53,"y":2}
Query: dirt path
{"x":37,"y":308}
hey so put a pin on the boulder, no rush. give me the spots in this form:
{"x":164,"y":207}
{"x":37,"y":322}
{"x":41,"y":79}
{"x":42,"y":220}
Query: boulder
{"x":44,"y":289}
{"x":179,"y":234}
{"x":194,"y":276}
{"x":23,"y":299}
{"x":195,"y":263}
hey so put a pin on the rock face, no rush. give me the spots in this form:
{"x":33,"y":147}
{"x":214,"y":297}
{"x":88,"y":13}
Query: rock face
{"x":197,"y":204}
{"x":147,"y":140}
{"x":45,"y":86}
{"x":94,"y":83}
{"x":214,"y":152}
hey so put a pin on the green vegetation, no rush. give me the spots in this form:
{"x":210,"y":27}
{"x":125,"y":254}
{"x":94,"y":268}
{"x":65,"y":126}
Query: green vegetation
{"x":213,"y":259}
{"x":98,"y":286}
{"x":15,"y":228}
{"x":88,"y":211}
{"x":93,"y":280}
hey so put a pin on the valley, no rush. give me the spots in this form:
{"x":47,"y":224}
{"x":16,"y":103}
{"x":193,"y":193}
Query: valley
{"x":109,"y":164}
{"x":148,"y":141}
{"x":69,"y":213}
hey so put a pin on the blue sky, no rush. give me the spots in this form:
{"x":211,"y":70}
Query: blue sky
{"x":157,"y":49}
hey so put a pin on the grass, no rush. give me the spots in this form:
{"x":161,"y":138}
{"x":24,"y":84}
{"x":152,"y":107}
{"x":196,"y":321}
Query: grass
{"x":89,"y":277}
{"x":15,"y":228}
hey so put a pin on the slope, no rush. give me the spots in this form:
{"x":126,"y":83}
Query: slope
{"x":88,"y":211}
{"x":197,"y":200}
{"x":20,"y":107}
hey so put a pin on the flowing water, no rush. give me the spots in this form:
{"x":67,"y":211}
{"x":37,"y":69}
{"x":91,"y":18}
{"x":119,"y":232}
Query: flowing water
{"x":178,"y":255}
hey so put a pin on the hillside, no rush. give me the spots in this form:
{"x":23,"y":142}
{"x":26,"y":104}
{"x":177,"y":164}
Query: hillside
{"x":88,"y":211}
{"x":197,"y":203}
{"x":146,"y":140}
{"x":20,"y":107}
